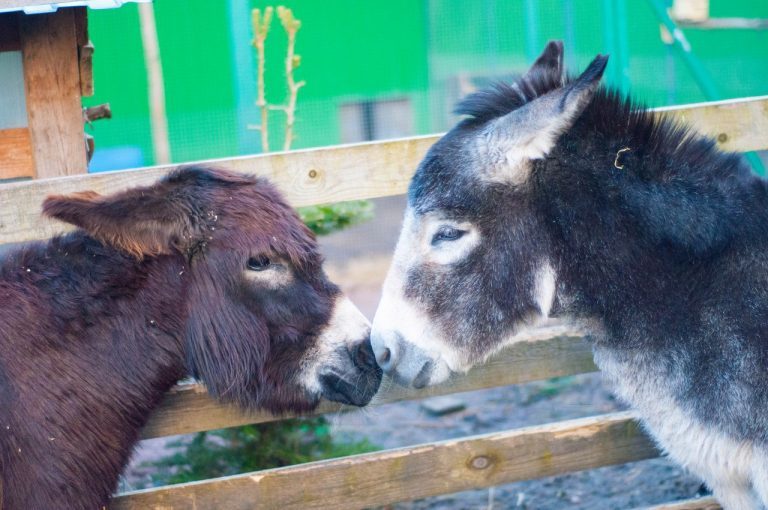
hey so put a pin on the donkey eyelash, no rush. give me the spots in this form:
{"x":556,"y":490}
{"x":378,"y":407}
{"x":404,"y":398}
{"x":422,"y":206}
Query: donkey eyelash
{"x":259,"y":263}
{"x":447,"y":234}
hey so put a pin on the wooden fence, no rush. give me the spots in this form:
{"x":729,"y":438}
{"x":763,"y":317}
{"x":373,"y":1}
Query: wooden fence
{"x":367,"y":171}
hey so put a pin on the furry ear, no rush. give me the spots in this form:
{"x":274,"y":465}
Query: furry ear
{"x":142,"y":221}
{"x":531,"y":131}
{"x":550,"y":62}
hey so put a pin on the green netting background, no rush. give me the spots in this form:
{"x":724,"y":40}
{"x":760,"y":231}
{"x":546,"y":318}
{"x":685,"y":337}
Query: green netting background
{"x":378,"y":69}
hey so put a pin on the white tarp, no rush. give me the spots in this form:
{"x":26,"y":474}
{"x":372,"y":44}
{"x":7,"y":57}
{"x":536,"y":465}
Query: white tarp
{"x":35,"y":7}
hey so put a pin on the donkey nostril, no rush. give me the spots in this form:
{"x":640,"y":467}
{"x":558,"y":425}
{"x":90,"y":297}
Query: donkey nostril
{"x":363,"y":355}
{"x":386,"y":354}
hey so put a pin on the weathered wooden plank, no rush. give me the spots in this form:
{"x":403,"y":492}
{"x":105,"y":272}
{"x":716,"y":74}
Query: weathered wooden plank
{"x":307,"y":177}
{"x":85,"y":65}
{"x":737,"y":125}
{"x":415,"y":472}
{"x":16,"y":154}
{"x":20,"y":4}
{"x":333,"y":174}
{"x":52,"y":86}
{"x":548,"y":352}
{"x":689,"y":504}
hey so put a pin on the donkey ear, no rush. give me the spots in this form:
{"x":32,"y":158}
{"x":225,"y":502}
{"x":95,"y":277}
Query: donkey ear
{"x":549,"y":62}
{"x":531,"y":131}
{"x":142,"y":221}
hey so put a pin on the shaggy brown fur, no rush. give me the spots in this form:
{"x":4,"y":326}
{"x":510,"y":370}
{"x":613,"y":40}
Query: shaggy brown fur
{"x":96,"y":325}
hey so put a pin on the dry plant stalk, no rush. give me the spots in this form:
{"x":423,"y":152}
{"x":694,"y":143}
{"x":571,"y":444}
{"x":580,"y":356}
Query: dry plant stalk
{"x":157,"y":114}
{"x":292,"y":61}
{"x":260,"y":32}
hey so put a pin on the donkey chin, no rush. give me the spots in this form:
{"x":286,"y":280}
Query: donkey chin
{"x":343,"y":367}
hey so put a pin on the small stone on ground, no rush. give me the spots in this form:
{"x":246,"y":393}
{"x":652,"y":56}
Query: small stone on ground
{"x":440,"y":406}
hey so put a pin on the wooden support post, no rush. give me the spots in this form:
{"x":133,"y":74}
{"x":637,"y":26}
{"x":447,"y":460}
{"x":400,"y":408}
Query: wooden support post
{"x":52,"y":86}
{"x":15,"y":154}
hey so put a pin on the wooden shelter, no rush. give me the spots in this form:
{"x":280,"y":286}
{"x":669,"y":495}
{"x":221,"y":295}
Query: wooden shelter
{"x":45,"y":69}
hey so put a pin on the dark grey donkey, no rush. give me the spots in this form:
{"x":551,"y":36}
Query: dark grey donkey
{"x":557,"y":198}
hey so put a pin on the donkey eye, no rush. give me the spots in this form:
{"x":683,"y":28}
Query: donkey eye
{"x":447,"y":234}
{"x":259,"y":263}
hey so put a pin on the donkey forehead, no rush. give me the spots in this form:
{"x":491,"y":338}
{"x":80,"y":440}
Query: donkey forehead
{"x":255,"y":220}
{"x":464,"y":167}
{"x":446,"y":181}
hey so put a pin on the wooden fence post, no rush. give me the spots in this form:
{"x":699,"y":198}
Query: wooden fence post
{"x":52,"y":86}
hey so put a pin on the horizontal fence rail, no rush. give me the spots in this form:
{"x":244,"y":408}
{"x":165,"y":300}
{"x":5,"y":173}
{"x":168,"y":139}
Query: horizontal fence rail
{"x":351,"y":172}
{"x":544,"y":353}
{"x":415,"y":472}
{"x":690,"y":504}
{"x":373,"y":170}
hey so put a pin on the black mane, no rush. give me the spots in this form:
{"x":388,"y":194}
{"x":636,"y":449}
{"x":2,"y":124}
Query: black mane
{"x":678,"y":188}
{"x":618,"y":120}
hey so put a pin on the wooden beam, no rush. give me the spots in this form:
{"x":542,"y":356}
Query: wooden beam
{"x":52,"y":86}
{"x":84,"y":51}
{"x":81,"y":25}
{"x":415,"y":472}
{"x":689,"y":504}
{"x":16,"y":154}
{"x":548,"y":352}
{"x":738,"y":126}
{"x":334,"y":174}
{"x":9,"y":32}
{"x":85,"y":66}
{"x":21,"y":4}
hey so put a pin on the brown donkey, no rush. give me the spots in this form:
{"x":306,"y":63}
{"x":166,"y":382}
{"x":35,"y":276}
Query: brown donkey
{"x":206,"y":273}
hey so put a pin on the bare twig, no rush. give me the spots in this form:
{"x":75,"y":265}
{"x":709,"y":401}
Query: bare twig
{"x":292,"y":61}
{"x":260,"y":31}
{"x":158,"y":119}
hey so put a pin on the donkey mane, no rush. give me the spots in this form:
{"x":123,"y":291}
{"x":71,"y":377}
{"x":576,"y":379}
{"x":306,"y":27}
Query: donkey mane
{"x":646,"y":159}
{"x":611,"y":116}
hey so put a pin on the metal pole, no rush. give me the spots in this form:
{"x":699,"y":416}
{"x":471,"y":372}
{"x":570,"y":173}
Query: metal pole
{"x":531,"y":30}
{"x":570,"y":32}
{"x":623,"y":44}
{"x":700,"y":74}
{"x":698,"y":71}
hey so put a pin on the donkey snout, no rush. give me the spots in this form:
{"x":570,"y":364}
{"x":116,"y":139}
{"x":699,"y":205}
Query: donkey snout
{"x":362,"y":355}
{"x":406,"y":363}
{"x":386,"y":350}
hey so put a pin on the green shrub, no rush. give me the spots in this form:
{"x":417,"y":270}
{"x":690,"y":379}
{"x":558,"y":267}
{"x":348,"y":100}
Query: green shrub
{"x":250,"y":448}
{"x":324,"y":219}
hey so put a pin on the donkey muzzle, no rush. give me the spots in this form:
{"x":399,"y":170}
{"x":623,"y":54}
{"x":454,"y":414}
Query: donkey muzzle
{"x":356,"y":380}
{"x":406,"y":363}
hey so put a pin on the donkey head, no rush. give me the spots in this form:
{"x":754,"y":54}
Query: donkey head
{"x":263,"y":325}
{"x":467,"y":274}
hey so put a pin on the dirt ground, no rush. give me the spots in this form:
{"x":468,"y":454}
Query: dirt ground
{"x":358,"y":260}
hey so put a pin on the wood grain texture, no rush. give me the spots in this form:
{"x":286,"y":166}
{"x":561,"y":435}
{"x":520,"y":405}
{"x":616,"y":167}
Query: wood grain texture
{"x":547,"y":352}
{"x":52,"y":86}
{"x":689,"y":504}
{"x":307,"y":177}
{"x":16,"y":154}
{"x":415,"y":472}
{"x":334,"y":174}
{"x":85,"y":65}
{"x":738,"y":126}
